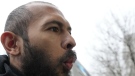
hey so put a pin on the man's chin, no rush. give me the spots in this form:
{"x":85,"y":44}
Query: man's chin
{"x":61,"y":70}
{"x":64,"y":73}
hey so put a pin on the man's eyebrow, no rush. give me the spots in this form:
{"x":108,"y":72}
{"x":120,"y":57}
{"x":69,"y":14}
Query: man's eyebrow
{"x":60,"y":24}
{"x":69,"y":28}
{"x":52,"y":21}
{"x":55,"y":22}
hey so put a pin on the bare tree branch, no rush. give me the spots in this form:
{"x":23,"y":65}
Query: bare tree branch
{"x":117,"y":51}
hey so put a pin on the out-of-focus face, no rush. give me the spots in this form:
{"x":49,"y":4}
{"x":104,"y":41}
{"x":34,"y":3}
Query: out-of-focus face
{"x":49,"y":50}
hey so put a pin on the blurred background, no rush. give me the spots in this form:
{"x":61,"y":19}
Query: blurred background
{"x":104,"y":31}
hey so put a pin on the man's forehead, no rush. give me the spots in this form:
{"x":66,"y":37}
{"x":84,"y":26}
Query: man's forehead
{"x":46,"y":10}
{"x":38,"y":7}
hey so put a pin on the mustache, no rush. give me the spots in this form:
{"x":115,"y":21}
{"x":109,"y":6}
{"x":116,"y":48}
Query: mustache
{"x":69,"y":54}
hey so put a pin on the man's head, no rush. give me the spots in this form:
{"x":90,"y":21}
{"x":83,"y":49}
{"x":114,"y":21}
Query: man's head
{"x":38,"y":40}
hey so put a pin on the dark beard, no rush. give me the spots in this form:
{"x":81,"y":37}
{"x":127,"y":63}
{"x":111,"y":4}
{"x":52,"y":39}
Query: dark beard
{"x":36,"y":62}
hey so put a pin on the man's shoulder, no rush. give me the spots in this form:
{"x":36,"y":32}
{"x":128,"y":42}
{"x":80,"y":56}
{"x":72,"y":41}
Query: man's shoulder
{"x":3,"y":61}
{"x":6,"y":69}
{"x":3,"y":58}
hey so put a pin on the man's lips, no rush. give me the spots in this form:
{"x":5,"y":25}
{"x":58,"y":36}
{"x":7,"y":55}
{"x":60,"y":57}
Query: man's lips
{"x":69,"y":63}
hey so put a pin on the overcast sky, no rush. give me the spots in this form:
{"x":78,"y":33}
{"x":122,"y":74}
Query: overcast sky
{"x":83,"y":15}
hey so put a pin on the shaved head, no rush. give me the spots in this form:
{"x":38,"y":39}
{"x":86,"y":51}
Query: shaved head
{"x":38,"y":40}
{"x":21,"y":17}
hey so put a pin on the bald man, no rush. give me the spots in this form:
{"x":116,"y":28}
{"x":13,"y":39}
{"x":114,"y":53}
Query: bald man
{"x":38,"y":42}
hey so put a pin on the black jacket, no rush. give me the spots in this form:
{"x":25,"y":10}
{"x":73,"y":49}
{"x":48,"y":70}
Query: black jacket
{"x":6,"y":69}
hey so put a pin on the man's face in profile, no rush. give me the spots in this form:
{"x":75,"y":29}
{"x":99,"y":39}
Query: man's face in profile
{"x":48,"y":52}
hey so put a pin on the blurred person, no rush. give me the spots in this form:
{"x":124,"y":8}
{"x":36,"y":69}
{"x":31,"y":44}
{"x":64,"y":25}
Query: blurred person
{"x":38,"y":42}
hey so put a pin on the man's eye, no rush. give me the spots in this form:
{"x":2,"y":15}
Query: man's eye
{"x":70,"y":33}
{"x":54,"y":29}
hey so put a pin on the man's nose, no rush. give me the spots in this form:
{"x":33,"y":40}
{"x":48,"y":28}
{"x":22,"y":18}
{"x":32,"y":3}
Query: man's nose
{"x":68,"y":43}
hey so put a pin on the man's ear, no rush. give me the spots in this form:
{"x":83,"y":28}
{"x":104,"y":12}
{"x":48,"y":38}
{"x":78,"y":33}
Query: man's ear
{"x":9,"y":41}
